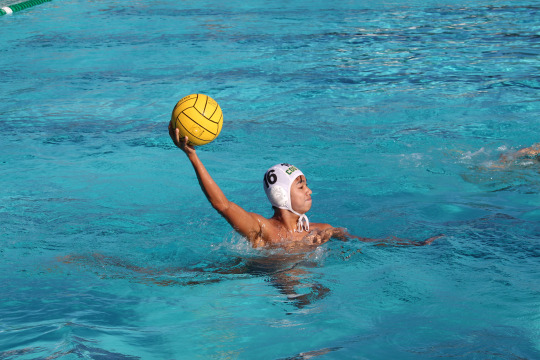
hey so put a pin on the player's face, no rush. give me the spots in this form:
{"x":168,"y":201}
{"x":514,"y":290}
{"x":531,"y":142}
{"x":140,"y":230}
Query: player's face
{"x":300,"y":195}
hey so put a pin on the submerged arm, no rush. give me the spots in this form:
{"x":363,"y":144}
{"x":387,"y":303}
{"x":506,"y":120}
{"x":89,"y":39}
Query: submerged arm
{"x":531,"y":151}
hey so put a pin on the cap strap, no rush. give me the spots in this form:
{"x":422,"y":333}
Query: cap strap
{"x":302,"y":224}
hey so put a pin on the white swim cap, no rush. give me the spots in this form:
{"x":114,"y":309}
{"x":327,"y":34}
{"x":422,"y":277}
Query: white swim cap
{"x":277,"y":184}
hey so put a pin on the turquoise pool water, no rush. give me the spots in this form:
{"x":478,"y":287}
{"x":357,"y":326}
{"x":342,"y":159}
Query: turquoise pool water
{"x":397,"y":113}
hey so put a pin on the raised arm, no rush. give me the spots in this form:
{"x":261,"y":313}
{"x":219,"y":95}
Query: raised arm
{"x":246,"y":223}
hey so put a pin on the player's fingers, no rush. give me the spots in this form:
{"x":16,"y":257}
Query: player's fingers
{"x":171,"y":131}
{"x":177,"y":135}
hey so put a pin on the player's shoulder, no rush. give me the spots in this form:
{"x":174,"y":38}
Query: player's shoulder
{"x":320,"y":226}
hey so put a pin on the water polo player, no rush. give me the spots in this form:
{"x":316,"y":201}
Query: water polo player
{"x":288,"y":192}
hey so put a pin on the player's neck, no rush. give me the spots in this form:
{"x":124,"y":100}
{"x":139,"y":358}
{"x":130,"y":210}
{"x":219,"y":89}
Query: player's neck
{"x":286,"y":218}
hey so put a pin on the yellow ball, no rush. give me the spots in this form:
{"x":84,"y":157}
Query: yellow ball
{"x":198,"y":117}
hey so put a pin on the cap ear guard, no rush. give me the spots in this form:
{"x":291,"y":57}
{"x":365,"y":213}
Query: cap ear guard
{"x":278,"y":197}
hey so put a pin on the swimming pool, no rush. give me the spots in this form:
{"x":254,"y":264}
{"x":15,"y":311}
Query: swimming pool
{"x":396,"y":113}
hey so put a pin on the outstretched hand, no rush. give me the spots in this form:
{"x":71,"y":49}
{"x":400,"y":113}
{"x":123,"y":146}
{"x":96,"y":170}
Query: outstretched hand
{"x":419,"y":243}
{"x":182,"y":143}
{"x":430,"y":240}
